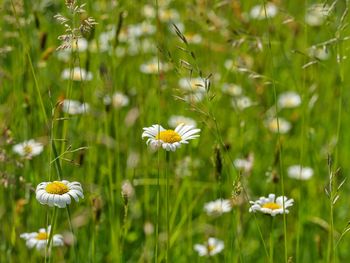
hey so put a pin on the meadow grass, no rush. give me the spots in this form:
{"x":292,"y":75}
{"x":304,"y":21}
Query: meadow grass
{"x":146,"y":205}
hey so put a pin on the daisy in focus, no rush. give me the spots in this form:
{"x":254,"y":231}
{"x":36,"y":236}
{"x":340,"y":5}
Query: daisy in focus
{"x":40,"y":239}
{"x":169,"y":140}
{"x":217,"y":207}
{"x":271,"y":205}
{"x":212,"y":247}
{"x":300,"y":173}
{"x":28,"y":149}
{"x":58,"y":193}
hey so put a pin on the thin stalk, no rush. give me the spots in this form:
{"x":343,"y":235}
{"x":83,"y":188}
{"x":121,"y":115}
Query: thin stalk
{"x":48,"y":245}
{"x":271,"y":239}
{"x":167,"y":158}
{"x":279,"y":142}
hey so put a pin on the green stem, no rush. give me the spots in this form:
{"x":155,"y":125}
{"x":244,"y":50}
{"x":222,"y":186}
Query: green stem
{"x":167,"y":158}
{"x":272,"y":239}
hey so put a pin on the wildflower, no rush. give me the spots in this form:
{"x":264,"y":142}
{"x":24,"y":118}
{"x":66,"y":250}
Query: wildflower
{"x":167,"y":15}
{"x":128,"y":190}
{"x":40,"y":239}
{"x":244,"y":165}
{"x":148,"y":228}
{"x":153,"y":66}
{"x":176,"y":120}
{"x":280,"y":124}
{"x":271,"y":205}
{"x":193,"y":38}
{"x":260,"y":12}
{"x":194,"y":84}
{"x":74,"y":107}
{"x":80,"y":45}
{"x":317,"y":14}
{"x":76,"y":74}
{"x":58,"y":193}
{"x":232,"y":89}
{"x":289,"y":99}
{"x":321,"y":53}
{"x":218,"y":207}
{"x":242,"y":102}
{"x":119,"y":100}
{"x":28,"y":149}
{"x":169,"y":140}
{"x":299,"y":172}
{"x":212,"y":247}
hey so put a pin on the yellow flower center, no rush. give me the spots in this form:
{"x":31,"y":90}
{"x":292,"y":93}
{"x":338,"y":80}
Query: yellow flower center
{"x":210,"y":248}
{"x":28,"y":149}
{"x":42,"y":236}
{"x":57,"y":188}
{"x":169,"y":136}
{"x":272,"y":206}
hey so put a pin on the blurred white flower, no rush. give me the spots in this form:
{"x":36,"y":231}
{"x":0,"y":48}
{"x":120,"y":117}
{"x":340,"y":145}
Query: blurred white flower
{"x":176,"y":120}
{"x":212,"y":247}
{"x":193,"y":38}
{"x":258,"y":11}
{"x":244,"y":165}
{"x":28,"y":149}
{"x":317,"y":14}
{"x":167,"y":15}
{"x":76,"y":74}
{"x":271,"y":205}
{"x":194,"y":84}
{"x":320,"y":53}
{"x":119,"y":100}
{"x":128,"y":190}
{"x":300,"y":173}
{"x":40,"y":239}
{"x":232,"y":89}
{"x":289,"y":99}
{"x":153,"y":67}
{"x":217,"y":207}
{"x":74,"y":107}
{"x":242,"y":102}
{"x":282,"y":125}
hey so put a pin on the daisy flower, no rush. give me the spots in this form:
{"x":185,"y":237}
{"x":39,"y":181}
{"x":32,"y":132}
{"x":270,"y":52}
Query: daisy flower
{"x":212,"y":247}
{"x":271,"y":205}
{"x":58,"y":193}
{"x":176,"y":120}
{"x":232,"y":89}
{"x":217,"y":207}
{"x":153,"y":67}
{"x":40,"y":239}
{"x":74,"y":107}
{"x":299,"y":172}
{"x":28,"y":149}
{"x":317,"y":14}
{"x":77,"y":74}
{"x":280,"y":124}
{"x":169,"y":140}
{"x":244,"y":165}
{"x":258,"y":11}
{"x":289,"y":99}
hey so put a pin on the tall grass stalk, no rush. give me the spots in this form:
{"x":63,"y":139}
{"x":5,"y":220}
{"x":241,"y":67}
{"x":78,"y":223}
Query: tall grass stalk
{"x":279,"y":141}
